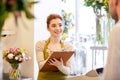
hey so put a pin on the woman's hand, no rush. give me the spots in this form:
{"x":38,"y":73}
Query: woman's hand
{"x":50,"y":53}
{"x":55,"y":62}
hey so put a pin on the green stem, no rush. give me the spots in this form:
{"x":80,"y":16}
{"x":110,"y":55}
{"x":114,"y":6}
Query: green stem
{"x":108,"y":16}
{"x":14,"y":65}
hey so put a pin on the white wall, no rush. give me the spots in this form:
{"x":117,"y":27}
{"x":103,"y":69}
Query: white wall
{"x":42,"y":10}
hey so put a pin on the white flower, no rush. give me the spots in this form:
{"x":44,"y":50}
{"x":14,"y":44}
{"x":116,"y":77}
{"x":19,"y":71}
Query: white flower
{"x":100,"y":1}
{"x":28,"y":58}
{"x":16,"y":58}
{"x":23,"y":54}
{"x":94,"y":3}
{"x":10,"y":56}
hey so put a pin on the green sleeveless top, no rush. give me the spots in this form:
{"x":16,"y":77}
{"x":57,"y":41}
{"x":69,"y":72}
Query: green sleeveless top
{"x":50,"y":75}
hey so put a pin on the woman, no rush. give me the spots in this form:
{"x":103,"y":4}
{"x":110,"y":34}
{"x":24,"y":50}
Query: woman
{"x":53,"y":43}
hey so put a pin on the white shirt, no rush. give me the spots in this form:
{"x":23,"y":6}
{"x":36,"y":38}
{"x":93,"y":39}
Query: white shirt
{"x":112,"y":68}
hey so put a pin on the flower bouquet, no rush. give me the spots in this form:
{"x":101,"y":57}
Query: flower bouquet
{"x":97,"y":5}
{"x":15,"y":56}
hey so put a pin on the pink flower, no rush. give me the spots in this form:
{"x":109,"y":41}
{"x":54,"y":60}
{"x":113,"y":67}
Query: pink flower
{"x":7,"y":51}
{"x":15,"y":55}
{"x":24,"y":59}
{"x":28,"y":58}
{"x":11,"y":2}
{"x":17,"y":49}
{"x":11,"y":50}
{"x":20,"y":59}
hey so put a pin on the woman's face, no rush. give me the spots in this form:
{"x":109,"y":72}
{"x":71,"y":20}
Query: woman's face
{"x":55,"y":27}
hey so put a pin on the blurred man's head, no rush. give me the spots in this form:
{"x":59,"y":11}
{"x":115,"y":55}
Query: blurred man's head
{"x":114,"y":7}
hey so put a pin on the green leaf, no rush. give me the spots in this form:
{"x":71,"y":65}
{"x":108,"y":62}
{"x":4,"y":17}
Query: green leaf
{"x":65,"y":30}
{"x":28,"y":14}
{"x":4,"y":15}
{"x":33,"y":2}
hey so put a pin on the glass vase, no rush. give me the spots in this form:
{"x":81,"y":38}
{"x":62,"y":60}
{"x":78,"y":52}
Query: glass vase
{"x":14,"y":73}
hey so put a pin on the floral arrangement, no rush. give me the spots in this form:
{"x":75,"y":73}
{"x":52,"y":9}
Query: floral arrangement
{"x":97,"y":5}
{"x":15,"y":55}
{"x":68,"y":22}
{"x":68,"y":19}
{"x":15,"y":7}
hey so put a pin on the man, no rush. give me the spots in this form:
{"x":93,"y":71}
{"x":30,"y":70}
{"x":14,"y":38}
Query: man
{"x":112,"y":68}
